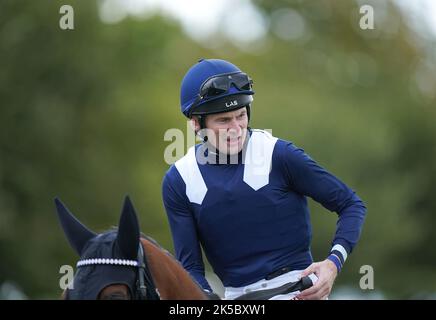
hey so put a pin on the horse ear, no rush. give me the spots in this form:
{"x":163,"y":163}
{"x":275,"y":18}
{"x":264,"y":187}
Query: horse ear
{"x":77,"y":234}
{"x":128,"y":231}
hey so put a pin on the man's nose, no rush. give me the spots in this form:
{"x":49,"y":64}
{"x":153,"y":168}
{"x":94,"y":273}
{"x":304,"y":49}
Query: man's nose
{"x":235,"y":126}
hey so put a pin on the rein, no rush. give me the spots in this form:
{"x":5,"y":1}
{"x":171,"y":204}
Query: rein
{"x":266,"y":294}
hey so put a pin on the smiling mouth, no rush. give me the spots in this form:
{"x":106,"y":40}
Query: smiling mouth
{"x":233,"y":141}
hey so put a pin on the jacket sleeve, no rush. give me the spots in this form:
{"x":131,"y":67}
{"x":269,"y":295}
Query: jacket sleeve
{"x":182,"y":225}
{"x":308,"y":178}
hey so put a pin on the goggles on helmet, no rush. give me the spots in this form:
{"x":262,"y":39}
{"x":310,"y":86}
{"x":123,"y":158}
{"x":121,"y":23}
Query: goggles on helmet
{"x":219,"y":85}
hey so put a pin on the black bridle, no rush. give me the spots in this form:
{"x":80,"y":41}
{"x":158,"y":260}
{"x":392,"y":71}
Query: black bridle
{"x":145,"y":287}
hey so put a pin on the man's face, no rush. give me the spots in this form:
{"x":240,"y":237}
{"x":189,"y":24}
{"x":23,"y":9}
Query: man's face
{"x":229,"y":130}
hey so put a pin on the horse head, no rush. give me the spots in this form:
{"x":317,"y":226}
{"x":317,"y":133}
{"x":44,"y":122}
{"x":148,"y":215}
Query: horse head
{"x":113,"y":265}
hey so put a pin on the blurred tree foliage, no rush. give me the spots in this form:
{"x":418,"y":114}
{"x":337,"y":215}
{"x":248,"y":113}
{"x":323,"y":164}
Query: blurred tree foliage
{"x":83,"y":114}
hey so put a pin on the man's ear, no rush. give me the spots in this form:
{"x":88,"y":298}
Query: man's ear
{"x":195,"y":124}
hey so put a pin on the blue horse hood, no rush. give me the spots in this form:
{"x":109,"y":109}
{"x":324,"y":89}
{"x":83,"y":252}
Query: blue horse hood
{"x":90,"y":280}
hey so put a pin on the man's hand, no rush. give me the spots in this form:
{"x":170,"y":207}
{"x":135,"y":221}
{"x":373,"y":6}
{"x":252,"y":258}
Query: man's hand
{"x":326,"y":272}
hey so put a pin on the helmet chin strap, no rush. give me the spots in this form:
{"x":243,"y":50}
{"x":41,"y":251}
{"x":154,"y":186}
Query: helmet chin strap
{"x":202,"y":123}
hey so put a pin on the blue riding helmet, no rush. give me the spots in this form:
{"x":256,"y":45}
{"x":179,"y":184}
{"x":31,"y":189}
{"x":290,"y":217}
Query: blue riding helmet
{"x":214,"y":86}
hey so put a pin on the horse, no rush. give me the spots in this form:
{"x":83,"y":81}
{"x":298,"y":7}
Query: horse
{"x":123,"y":263}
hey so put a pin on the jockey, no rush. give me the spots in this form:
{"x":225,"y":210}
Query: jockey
{"x":240,"y":195}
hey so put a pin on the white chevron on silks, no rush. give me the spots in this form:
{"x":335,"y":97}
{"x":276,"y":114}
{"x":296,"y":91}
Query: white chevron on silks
{"x":257,"y":166}
{"x":258,"y":159}
{"x":188,"y":168}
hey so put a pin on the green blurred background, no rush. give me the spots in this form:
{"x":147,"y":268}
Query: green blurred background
{"x":83,"y":114}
